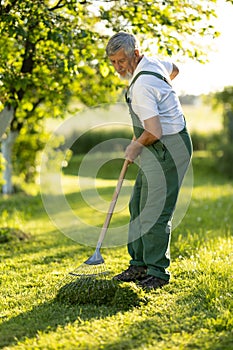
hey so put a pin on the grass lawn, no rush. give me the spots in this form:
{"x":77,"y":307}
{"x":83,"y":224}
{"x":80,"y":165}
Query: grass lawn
{"x":193,"y":312}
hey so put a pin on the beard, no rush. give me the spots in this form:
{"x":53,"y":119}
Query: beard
{"x":128,"y":76}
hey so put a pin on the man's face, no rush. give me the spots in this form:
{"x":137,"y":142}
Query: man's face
{"x":124,"y":65}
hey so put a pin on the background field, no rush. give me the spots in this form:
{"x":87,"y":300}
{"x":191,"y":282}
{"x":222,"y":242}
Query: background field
{"x":199,"y":115}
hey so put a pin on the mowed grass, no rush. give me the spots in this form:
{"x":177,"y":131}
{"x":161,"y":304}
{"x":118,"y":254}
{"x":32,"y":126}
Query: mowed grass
{"x":193,"y":312}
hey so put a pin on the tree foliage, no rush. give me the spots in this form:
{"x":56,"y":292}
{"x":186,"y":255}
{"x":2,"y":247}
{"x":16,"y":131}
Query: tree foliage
{"x":52,"y":50}
{"x":224,"y":99}
{"x":174,"y":26}
{"x":48,"y":51}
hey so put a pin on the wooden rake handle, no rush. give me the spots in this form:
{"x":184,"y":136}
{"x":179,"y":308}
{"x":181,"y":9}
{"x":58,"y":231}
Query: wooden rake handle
{"x":113,"y":202}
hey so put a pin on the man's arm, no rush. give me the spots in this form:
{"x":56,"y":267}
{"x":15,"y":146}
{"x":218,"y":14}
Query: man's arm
{"x":152,"y":133}
{"x":175,"y":71}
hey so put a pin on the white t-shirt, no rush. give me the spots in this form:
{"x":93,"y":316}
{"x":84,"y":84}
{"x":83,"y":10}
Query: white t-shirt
{"x":151,"y":96}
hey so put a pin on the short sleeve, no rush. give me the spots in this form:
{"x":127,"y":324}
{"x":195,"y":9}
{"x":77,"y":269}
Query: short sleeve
{"x":168,"y":66}
{"x":146,"y":102}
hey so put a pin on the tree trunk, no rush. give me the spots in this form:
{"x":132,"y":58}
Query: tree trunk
{"x":7,"y":144}
{"x":6,"y":116}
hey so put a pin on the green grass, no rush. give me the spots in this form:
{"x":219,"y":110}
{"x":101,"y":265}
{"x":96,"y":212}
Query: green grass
{"x":193,"y":312}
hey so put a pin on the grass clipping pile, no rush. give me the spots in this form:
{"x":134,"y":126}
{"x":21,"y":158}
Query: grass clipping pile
{"x":101,"y":291}
{"x":8,"y":234}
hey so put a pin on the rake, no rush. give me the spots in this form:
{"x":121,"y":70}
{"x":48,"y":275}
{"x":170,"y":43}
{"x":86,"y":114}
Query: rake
{"x":94,"y":265}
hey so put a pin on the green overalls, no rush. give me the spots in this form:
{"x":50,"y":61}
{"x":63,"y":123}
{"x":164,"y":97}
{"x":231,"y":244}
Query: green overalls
{"x":152,"y":204}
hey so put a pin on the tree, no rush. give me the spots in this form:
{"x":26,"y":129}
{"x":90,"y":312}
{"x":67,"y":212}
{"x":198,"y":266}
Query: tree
{"x":53,"y":50}
{"x":224,"y":99}
{"x":44,"y":47}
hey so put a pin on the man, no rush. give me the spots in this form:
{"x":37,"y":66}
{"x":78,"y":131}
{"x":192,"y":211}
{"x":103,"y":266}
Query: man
{"x":164,"y":146}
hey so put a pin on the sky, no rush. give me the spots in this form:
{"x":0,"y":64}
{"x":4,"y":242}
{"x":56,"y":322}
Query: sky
{"x":196,"y":78}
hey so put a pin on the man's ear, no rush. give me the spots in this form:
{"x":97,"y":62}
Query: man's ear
{"x":136,"y":53}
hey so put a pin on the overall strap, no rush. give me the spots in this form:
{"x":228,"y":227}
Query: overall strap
{"x":147,"y":73}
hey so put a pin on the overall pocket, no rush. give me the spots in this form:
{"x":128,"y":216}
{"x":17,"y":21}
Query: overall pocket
{"x":160,"y":151}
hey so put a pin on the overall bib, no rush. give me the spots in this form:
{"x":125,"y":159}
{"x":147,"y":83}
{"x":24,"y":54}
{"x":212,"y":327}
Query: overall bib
{"x":152,"y":204}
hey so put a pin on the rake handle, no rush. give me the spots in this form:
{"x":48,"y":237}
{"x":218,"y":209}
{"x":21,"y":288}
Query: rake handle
{"x":113,"y":202}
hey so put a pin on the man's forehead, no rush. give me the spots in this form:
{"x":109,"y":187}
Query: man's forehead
{"x":119,"y":54}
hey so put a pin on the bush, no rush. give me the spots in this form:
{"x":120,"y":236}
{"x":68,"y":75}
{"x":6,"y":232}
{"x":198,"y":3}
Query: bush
{"x":224,"y":99}
{"x":84,"y":143}
{"x":92,"y":138}
{"x":206,"y":142}
{"x":226,"y":160}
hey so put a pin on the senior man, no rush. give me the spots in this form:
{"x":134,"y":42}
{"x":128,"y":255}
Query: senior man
{"x":165,"y":149}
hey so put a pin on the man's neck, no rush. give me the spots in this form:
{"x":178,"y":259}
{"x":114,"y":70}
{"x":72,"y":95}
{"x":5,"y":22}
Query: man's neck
{"x":140,"y":58}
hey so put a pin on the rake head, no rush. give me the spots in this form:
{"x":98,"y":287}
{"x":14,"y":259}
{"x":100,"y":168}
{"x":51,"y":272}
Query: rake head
{"x":84,"y":278}
{"x":86,"y":284}
{"x":93,"y":266}
{"x":96,"y":258}
{"x":86,"y":270}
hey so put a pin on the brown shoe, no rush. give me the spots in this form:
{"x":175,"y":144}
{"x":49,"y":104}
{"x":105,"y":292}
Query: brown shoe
{"x":152,"y":282}
{"x":132,"y":274}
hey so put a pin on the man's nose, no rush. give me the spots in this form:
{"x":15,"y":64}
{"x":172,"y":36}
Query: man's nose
{"x":118,"y":66}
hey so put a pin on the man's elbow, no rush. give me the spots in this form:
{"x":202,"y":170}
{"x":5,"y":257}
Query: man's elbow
{"x":175,"y":71}
{"x":155,"y":136}
{"x":158,"y":135}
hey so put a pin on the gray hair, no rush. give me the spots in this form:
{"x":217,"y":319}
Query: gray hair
{"x":122,"y":40}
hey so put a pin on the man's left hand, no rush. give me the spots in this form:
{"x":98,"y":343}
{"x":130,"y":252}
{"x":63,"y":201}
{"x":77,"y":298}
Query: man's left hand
{"x":133,"y":151}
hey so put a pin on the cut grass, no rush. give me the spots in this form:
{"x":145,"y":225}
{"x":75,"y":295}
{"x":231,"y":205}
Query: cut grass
{"x":193,"y":312}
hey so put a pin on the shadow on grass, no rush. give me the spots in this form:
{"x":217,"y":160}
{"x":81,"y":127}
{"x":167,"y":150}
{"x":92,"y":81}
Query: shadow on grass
{"x":66,"y":308}
{"x":186,"y":322}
